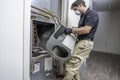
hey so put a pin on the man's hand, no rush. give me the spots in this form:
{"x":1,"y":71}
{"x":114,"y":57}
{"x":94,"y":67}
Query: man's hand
{"x":68,"y":30}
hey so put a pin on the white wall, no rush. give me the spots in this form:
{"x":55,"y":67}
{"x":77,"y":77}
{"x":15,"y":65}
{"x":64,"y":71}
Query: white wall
{"x":11,"y":40}
{"x":108,"y":35}
{"x":72,"y":18}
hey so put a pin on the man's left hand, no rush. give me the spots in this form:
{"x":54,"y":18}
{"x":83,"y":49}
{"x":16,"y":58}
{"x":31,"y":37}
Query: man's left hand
{"x":68,"y":30}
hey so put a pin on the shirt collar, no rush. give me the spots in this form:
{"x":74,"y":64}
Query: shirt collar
{"x":85,"y":12}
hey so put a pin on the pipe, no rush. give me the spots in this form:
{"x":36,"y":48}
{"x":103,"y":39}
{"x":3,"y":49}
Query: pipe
{"x":48,"y":12}
{"x":40,"y":14}
{"x":43,"y":10}
{"x":38,"y":58}
{"x":53,"y":14}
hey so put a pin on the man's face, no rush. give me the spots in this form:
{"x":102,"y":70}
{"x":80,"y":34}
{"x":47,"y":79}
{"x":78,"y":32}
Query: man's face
{"x":77,"y":10}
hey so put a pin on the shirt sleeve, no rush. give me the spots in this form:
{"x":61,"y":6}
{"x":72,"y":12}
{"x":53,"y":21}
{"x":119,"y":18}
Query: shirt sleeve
{"x":91,"y":19}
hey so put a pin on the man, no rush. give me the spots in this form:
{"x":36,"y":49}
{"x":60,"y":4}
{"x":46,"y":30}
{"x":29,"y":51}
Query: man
{"x":86,"y":30}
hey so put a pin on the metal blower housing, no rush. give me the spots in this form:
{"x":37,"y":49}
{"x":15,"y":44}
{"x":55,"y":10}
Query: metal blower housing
{"x":60,"y":46}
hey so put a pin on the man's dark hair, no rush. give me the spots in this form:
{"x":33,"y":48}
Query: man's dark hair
{"x":77,"y":3}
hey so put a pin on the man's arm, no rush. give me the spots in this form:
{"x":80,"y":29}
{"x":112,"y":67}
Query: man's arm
{"x":90,"y":22}
{"x":82,"y":30}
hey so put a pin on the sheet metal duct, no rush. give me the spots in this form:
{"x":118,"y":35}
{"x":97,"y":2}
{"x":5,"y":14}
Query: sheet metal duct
{"x":61,"y":46}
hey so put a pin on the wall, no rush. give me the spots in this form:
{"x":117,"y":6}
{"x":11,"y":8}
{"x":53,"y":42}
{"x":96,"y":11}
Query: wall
{"x":107,"y":37}
{"x":53,"y":5}
{"x":11,"y":40}
{"x":56,"y":7}
{"x":72,"y":18}
{"x":41,"y":3}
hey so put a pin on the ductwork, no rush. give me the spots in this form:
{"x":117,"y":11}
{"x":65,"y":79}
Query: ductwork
{"x":59,"y":45}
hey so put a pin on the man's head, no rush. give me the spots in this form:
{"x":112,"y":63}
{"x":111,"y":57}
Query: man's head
{"x":78,"y":5}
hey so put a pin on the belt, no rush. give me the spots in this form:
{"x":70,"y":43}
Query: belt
{"x":85,"y":39}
